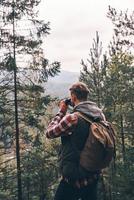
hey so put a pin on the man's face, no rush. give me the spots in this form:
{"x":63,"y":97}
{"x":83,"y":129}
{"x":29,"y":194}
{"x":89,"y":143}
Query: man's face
{"x":73,"y":98}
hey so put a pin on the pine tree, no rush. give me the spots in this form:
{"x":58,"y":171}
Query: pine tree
{"x":92,"y":71}
{"x":23,"y":70}
{"x":121,"y":70}
{"x":117,"y":86}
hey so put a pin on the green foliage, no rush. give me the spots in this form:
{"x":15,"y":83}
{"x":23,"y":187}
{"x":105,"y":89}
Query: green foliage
{"x":112,"y":87}
{"x":40,"y":170}
{"x":22,"y":57}
{"x":91,"y":73}
{"x":111,"y":83}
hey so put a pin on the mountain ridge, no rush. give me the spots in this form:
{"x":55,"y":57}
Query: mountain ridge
{"x":58,"y":86}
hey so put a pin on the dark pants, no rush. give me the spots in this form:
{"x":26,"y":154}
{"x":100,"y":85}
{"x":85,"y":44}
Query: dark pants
{"x":66,"y":191}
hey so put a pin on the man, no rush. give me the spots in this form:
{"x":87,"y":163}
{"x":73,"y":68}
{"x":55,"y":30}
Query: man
{"x":76,"y":182}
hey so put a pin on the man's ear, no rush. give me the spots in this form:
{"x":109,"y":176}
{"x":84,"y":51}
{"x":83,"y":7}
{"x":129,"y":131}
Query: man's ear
{"x":73,"y":97}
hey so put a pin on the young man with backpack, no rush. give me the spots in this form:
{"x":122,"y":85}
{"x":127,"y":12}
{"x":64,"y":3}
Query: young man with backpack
{"x":78,"y":180}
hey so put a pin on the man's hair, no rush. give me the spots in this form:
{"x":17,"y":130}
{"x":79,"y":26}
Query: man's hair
{"x":80,"y":90}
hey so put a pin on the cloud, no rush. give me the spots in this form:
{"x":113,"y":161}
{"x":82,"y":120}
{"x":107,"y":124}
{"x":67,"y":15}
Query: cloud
{"x":73,"y":27}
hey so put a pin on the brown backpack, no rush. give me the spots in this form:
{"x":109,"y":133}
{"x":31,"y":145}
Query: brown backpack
{"x":99,"y":149}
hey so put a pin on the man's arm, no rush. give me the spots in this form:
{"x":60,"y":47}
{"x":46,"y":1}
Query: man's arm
{"x":61,"y":125}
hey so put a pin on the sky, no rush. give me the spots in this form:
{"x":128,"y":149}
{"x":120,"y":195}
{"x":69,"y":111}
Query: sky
{"x":73,"y":26}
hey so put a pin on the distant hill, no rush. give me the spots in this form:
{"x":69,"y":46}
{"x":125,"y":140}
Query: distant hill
{"x":58,"y":85}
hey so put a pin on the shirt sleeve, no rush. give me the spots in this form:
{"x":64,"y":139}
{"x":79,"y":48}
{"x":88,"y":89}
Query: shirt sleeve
{"x":61,"y":125}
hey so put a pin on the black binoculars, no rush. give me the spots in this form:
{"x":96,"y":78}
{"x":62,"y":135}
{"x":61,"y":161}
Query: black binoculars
{"x":68,"y":102}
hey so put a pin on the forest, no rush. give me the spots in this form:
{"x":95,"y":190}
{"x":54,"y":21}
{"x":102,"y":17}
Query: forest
{"x":28,"y":160}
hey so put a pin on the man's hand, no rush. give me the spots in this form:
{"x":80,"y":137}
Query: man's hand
{"x":63,"y":107}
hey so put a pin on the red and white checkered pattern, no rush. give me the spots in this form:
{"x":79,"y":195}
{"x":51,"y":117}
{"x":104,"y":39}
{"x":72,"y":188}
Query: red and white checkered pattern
{"x":61,"y":125}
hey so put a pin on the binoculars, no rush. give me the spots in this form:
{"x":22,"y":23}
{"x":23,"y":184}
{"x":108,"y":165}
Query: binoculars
{"x":68,"y":102}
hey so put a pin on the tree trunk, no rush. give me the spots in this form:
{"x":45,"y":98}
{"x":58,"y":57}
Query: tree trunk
{"x":16,"y":112}
{"x":122,"y":138}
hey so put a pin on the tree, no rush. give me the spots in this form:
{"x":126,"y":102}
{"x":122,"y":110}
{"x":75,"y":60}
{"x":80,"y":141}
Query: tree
{"x":117,"y":86}
{"x":23,"y":61}
{"x":121,"y":70}
{"x":92,"y":71}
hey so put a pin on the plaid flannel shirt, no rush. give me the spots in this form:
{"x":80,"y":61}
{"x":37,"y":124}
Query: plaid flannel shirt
{"x":61,"y":125}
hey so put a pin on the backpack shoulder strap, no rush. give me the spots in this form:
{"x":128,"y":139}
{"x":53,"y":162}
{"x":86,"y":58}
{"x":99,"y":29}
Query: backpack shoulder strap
{"x":84,"y":117}
{"x":73,"y":146}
